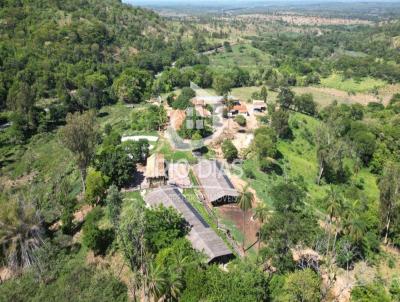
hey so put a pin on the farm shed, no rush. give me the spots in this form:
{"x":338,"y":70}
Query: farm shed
{"x":259,"y":106}
{"x":155,"y":170}
{"x":214,"y":183}
{"x":201,"y":235}
{"x":239,"y":109}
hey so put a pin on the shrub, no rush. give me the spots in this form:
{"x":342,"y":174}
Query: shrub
{"x":241,"y":120}
{"x":229,"y":150}
{"x":267,"y":165}
{"x":95,"y":238}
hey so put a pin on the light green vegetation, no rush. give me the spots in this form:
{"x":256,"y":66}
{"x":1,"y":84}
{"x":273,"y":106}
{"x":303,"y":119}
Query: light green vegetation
{"x":299,"y":162}
{"x":165,"y":148}
{"x":350,"y":85}
{"x":243,"y":55}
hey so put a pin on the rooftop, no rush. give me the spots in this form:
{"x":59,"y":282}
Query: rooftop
{"x":240,"y":108}
{"x":155,"y":167}
{"x":201,"y":235}
{"x":214,"y":181}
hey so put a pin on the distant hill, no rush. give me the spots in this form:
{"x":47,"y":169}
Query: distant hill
{"x":51,"y":50}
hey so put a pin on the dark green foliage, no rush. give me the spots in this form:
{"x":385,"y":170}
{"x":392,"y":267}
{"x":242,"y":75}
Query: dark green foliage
{"x":95,"y":238}
{"x":286,"y":97}
{"x":363,"y":140}
{"x":84,"y":59}
{"x":290,"y":225}
{"x":133,"y":85}
{"x":373,"y":292}
{"x":305,"y":103}
{"x":241,"y":120}
{"x":118,"y":163}
{"x":243,"y":282}
{"x":264,"y":142}
{"x":229,"y":150}
{"x":183,"y":100}
{"x":268,"y":165}
{"x":280,"y":122}
{"x":302,"y":285}
{"x":114,"y":205}
{"x":163,"y":226}
{"x":151,"y":118}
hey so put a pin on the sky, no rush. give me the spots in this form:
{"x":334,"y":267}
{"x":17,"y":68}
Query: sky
{"x":233,"y":2}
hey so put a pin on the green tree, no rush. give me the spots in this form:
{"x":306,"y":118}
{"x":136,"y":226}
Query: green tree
{"x":245,"y":203}
{"x":262,"y":213}
{"x":95,"y":238}
{"x":280,"y":122}
{"x":133,"y":85}
{"x":301,"y":286}
{"x":389,"y":186}
{"x":114,"y":204}
{"x":162,"y":226}
{"x":183,"y":100}
{"x":286,"y":97}
{"x":96,"y":185}
{"x":222,"y":84}
{"x":264,"y":142}
{"x":264,"y":93}
{"x":79,"y":135}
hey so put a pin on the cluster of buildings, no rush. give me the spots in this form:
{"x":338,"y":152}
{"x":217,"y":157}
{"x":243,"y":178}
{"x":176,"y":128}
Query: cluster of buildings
{"x":166,"y":182}
{"x":201,"y":106}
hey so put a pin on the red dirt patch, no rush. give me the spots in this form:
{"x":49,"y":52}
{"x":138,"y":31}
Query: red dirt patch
{"x":233,"y":213}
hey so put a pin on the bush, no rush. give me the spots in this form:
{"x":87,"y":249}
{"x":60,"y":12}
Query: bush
{"x":229,"y":150}
{"x":267,"y":166}
{"x":241,"y":120}
{"x":95,"y":238}
{"x":249,"y":173}
{"x":183,"y":100}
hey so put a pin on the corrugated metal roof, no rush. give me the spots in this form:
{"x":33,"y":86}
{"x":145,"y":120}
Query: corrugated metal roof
{"x":155,"y":166}
{"x":201,"y":235}
{"x":213,"y":180}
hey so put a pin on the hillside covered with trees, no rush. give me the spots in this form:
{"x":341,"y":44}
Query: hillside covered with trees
{"x":310,"y":143}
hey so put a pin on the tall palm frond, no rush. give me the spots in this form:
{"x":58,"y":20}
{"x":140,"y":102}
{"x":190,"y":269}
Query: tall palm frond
{"x":21,"y":233}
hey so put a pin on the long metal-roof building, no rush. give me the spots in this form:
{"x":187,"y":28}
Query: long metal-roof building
{"x":214,"y":183}
{"x":201,"y":235}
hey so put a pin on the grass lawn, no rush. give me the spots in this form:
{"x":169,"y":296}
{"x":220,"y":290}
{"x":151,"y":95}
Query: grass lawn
{"x":165,"y":148}
{"x":242,"y":55}
{"x":350,"y":85}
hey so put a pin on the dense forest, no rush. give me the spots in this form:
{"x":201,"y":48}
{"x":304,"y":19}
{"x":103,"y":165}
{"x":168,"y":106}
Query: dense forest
{"x":317,"y":183}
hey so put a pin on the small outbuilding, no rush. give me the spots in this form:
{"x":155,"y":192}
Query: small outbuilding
{"x":259,"y":106}
{"x":155,"y":170}
{"x":201,"y":235}
{"x":239,"y":109}
{"x":215,"y":185}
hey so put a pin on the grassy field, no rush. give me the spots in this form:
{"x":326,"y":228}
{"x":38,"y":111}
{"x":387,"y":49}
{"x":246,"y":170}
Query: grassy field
{"x":243,"y":55}
{"x":299,"y":162}
{"x":336,"y":81}
{"x":165,"y":148}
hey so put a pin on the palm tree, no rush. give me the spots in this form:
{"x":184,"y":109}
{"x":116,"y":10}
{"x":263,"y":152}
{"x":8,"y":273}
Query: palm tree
{"x":156,"y":282}
{"x":262,"y":213}
{"x":245,"y":203}
{"x":334,"y":206}
{"x":21,"y":233}
{"x":173,"y":286}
